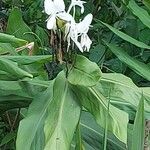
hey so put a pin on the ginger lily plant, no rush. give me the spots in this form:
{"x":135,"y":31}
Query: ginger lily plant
{"x":54,"y":116}
{"x":75,"y":110}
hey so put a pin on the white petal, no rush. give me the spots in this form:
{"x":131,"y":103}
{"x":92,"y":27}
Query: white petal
{"x":59,"y":5}
{"x":88,"y":44}
{"x":51,"y":23}
{"x":77,"y":3}
{"x":71,"y":33}
{"x":66,"y":17}
{"x":74,"y":37}
{"x":49,"y":7}
{"x":82,"y":9}
{"x":85,"y":42}
{"x":67,"y":31}
{"x":80,"y":4}
{"x":69,"y":9}
{"x":84,"y":25}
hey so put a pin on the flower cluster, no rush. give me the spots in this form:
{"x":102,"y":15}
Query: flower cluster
{"x":77,"y":32}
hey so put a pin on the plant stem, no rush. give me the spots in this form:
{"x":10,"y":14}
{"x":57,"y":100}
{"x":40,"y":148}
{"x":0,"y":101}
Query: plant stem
{"x":106,"y":124}
{"x":8,"y":118}
{"x":15,"y":120}
{"x":78,"y":138}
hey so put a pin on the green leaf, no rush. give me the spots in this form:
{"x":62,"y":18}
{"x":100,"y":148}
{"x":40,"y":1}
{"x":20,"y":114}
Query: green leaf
{"x":33,"y":124}
{"x":48,"y":123}
{"x":139,"y":67}
{"x":140,"y":13}
{"x":13,"y":101}
{"x":139,"y":128}
{"x":6,"y":48}
{"x":37,"y":82}
{"x":124,"y":94}
{"x":92,"y":99}
{"x":84,"y":72}
{"x":18,"y":27}
{"x":26,"y":60}
{"x":16,"y":42}
{"x":93,"y":135}
{"x":126,"y":37}
{"x":64,"y":114}
{"x":12,"y":95}
{"x":13,"y":69}
{"x":43,"y":35}
{"x":9,"y":85}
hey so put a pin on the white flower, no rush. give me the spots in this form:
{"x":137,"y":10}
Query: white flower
{"x":77,"y":3}
{"x":74,"y":30}
{"x":53,"y":8}
{"x":82,"y":29}
{"x":85,"y":24}
{"x":71,"y":33}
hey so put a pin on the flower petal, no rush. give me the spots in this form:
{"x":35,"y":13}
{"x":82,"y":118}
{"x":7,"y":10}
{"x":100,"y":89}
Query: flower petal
{"x":51,"y":22}
{"x":77,"y":3}
{"x":66,"y":17}
{"x":59,"y":5}
{"x":86,"y":42}
{"x":84,"y":25}
{"x":71,"y":33}
{"x":49,"y":7}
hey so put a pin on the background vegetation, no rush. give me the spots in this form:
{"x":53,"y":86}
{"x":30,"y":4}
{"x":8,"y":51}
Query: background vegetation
{"x":31,"y":81}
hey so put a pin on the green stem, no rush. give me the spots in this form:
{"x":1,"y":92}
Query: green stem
{"x":106,"y":125}
{"x":78,"y":138}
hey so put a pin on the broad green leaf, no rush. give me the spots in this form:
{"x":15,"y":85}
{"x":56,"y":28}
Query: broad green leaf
{"x":37,"y":82}
{"x":6,"y":48}
{"x":139,"y":128}
{"x":140,"y":13}
{"x":18,"y":88}
{"x":26,"y":60}
{"x":9,"y":85}
{"x":139,"y":67}
{"x":48,"y":123}
{"x":12,"y":95}
{"x":94,"y":101}
{"x":13,"y":101}
{"x":126,"y":37}
{"x":18,"y":27}
{"x":13,"y":69}
{"x":41,"y":32}
{"x":93,"y":135}
{"x":33,"y":124}
{"x":64,"y":114}
{"x":84,"y":72}
{"x":16,"y":42}
{"x":124,"y":94}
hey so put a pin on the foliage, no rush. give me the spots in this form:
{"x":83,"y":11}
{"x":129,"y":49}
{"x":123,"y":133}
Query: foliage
{"x":52,"y":99}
